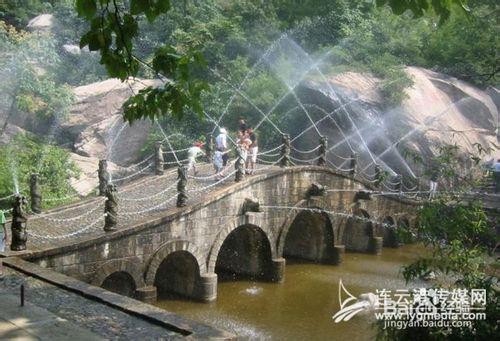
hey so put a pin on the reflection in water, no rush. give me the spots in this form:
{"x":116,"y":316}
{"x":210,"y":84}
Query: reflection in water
{"x":302,"y":307}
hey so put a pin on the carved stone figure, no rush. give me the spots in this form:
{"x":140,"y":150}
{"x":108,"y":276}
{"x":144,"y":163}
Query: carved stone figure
{"x":103,"y":176}
{"x":362,"y":195}
{"x":285,"y":151}
{"x":19,"y":222}
{"x":399,"y":183}
{"x":111,"y":208}
{"x":239,"y":165}
{"x":323,"y":147}
{"x":159,"y":161}
{"x":378,"y":175}
{"x":353,"y":164}
{"x":36,"y":194}
{"x":316,"y":190}
{"x":250,"y":205}
{"x":181,"y":186}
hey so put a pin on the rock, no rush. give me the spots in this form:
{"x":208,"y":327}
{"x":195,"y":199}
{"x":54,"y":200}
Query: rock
{"x":430,"y":276}
{"x":439,"y":109}
{"x":95,"y":123}
{"x":10,"y":131}
{"x":72,"y":49}
{"x":42,"y":23}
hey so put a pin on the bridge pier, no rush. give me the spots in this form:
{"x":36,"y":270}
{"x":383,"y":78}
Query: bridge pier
{"x":277,"y":271}
{"x":376,"y":244}
{"x":207,"y":289}
{"x":338,"y":254}
{"x":147,"y":294}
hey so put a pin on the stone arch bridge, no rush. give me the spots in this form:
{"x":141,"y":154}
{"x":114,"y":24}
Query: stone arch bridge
{"x":186,"y":250}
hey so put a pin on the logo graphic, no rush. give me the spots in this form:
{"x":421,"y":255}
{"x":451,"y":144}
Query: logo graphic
{"x":348,"y":310}
{"x":419,"y":307}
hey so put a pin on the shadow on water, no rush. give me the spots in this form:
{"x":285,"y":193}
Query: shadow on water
{"x":301,"y":307}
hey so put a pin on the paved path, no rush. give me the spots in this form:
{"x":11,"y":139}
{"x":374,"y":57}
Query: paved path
{"x":52,"y":313}
{"x":32,"y":322}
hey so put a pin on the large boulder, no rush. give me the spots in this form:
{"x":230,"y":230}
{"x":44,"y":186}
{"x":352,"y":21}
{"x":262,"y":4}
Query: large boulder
{"x":438,"y":109}
{"x":42,"y":23}
{"x":95,"y":123}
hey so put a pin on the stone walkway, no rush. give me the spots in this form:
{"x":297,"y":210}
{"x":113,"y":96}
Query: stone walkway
{"x":51,"y":313}
{"x":146,"y":198}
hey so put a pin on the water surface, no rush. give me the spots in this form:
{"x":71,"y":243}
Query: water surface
{"x":302,"y":307}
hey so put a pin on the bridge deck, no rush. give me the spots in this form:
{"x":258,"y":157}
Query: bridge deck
{"x":144,"y":199}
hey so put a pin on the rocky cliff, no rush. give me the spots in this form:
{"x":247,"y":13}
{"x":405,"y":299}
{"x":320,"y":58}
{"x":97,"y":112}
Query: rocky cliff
{"x":438,"y":110}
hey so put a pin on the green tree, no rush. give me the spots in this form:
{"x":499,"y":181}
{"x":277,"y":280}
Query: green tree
{"x":26,"y":154}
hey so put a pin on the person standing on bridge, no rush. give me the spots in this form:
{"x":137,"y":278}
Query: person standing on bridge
{"x":242,"y":125}
{"x":3,"y":239}
{"x":252,"y":151}
{"x":496,"y":175}
{"x":192,"y":154}
{"x":433,"y":183}
{"x":221,"y":145}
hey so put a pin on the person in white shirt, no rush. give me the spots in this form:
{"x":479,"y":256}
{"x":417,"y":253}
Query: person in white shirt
{"x":192,"y":154}
{"x":221,"y":145}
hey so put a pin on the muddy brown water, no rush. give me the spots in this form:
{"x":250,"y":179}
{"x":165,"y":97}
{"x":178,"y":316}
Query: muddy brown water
{"x":302,"y":306}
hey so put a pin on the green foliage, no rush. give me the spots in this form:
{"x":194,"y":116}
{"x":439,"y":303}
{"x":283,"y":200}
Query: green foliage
{"x":18,"y":12}
{"x":442,"y":8}
{"x":26,"y":155}
{"x":113,"y":27}
{"x":467,"y":46}
{"x":460,"y":238}
{"x":27,"y":64}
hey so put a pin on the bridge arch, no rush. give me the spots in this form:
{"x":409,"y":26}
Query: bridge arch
{"x":177,"y":268}
{"x":224,"y":234}
{"x":246,"y":250}
{"x":120,"y":276}
{"x":166,"y":249}
{"x":311,"y":203}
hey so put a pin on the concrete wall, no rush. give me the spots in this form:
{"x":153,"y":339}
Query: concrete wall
{"x":202,"y":228}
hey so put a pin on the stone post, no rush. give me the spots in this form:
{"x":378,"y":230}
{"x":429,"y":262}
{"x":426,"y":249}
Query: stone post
{"x":181,"y":186}
{"x":111,"y":209}
{"x":239,"y":166}
{"x":35,"y":194}
{"x":18,"y":225}
{"x":103,"y":176}
{"x":209,"y":147}
{"x":399,"y":183}
{"x":159,"y":161}
{"x":285,"y":151}
{"x":353,"y":164}
{"x":378,"y":175}
{"x":323,"y":147}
